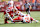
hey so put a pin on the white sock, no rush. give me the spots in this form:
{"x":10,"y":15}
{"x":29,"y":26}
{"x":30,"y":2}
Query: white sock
{"x":11,"y":19}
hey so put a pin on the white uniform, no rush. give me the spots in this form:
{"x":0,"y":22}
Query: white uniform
{"x":26,"y":19}
{"x":10,"y":4}
{"x":19,"y":13}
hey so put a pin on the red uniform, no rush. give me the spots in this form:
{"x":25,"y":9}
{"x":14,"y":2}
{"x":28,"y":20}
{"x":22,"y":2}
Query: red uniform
{"x":18,"y":19}
{"x":10,"y":12}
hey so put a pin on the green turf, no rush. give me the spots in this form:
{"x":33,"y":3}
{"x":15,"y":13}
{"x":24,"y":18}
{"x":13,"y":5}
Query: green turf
{"x":35,"y":15}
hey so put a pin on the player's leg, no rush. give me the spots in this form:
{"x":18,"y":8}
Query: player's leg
{"x":33,"y":20}
{"x":8,"y":16}
{"x":28,"y":11}
{"x":5,"y":21}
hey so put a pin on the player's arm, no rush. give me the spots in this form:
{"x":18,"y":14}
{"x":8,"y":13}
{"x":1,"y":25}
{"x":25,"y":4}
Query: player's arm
{"x":30,"y":6}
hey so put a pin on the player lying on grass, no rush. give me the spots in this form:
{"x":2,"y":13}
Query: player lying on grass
{"x":24,"y":19}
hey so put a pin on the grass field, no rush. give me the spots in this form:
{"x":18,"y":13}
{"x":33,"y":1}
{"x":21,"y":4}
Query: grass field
{"x":34,"y":14}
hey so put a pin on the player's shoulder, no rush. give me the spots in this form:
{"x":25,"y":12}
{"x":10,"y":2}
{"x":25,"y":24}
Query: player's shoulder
{"x":28,"y":3}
